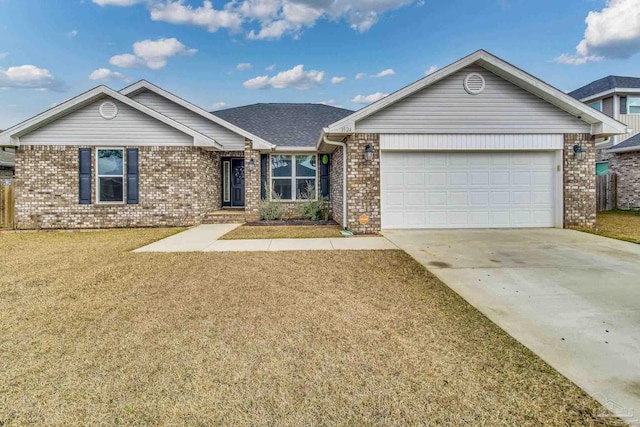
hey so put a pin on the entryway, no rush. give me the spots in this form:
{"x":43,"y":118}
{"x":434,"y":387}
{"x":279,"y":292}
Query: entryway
{"x":232,"y":182}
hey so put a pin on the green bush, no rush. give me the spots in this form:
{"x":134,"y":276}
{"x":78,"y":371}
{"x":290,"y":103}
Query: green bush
{"x":315,"y":210}
{"x":271,"y":210}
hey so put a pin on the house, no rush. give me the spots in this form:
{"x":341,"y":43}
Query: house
{"x":618,"y":97}
{"x":7,"y":162}
{"x":477,"y":144}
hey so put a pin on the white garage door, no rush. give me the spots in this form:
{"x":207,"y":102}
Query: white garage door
{"x":468,"y":189}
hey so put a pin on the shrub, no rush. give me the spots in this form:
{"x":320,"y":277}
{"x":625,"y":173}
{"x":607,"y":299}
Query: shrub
{"x":271,"y":210}
{"x":312,"y":209}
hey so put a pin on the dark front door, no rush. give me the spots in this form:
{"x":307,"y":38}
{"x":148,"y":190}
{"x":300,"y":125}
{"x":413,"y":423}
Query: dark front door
{"x":237,"y":182}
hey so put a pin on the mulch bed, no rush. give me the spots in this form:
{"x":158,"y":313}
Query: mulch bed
{"x":290,"y":222}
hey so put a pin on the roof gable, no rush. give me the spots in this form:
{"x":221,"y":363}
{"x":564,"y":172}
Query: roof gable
{"x":605,"y":85}
{"x":143,"y":85}
{"x":601,"y":124}
{"x":12,"y":135}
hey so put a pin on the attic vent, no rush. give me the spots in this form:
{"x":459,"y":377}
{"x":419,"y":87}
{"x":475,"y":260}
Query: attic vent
{"x":474,"y":84}
{"x":108,"y":110}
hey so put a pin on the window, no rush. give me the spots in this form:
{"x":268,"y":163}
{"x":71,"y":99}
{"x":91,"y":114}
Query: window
{"x":110,"y":175}
{"x":292,"y":176}
{"x":633,"y":105}
{"x":226,"y":179}
{"x":596,"y":105}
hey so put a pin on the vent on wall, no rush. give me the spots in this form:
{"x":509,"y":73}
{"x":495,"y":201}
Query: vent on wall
{"x":108,"y":110}
{"x":474,"y":83}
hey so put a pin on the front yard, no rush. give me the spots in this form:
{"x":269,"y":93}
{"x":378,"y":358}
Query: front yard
{"x":283,"y":232}
{"x":93,"y":334}
{"x":618,"y":224}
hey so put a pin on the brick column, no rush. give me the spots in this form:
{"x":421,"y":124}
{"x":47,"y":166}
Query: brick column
{"x":251,"y":182}
{"x":363,"y":183}
{"x":336,"y":177}
{"x":579,"y":183}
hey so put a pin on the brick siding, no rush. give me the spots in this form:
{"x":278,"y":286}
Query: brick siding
{"x":627,"y":167}
{"x":579,"y":183}
{"x":336,"y":175}
{"x":363,"y":183}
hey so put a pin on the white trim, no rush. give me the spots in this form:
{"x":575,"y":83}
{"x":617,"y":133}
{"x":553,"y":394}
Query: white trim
{"x":610,"y":92}
{"x":475,"y":142}
{"x":289,"y":149}
{"x":559,"y":188}
{"x":293,"y":178}
{"x":258,"y":142}
{"x":601,"y":123}
{"x":98,"y":176}
{"x":14,"y":133}
{"x":629,"y":113}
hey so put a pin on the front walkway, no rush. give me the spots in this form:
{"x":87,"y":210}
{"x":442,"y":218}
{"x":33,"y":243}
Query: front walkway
{"x":204,"y":238}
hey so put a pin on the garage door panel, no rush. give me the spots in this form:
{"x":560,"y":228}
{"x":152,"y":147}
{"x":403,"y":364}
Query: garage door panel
{"x":468,"y":189}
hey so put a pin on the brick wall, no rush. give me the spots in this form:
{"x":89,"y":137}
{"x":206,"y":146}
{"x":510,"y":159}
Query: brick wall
{"x":336,"y":175}
{"x":627,"y":167}
{"x":178,"y":185}
{"x":363,"y":183}
{"x":252,"y":193}
{"x":579,"y":183}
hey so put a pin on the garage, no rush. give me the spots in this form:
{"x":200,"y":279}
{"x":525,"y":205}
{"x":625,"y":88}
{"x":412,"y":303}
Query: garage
{"x":468,"y":189}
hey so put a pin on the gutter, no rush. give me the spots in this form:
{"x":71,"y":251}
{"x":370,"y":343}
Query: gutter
{"x":344,"y":176}
{"x":624,"y":150}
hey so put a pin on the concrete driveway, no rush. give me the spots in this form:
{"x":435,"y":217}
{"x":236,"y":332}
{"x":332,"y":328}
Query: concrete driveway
{"x":571,"y":297}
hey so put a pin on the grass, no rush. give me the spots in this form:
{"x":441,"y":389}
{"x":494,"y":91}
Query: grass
{"x":95,"y":335}
{"x":283,"y":232}
{"x":619,"y":224}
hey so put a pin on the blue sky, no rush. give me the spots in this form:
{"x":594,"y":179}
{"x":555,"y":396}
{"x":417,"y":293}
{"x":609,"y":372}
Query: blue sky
{"x":55,"y":49}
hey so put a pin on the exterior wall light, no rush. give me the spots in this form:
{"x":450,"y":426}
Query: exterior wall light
{"x":579,"y":152}
{"x":252,"y":165}
{"x":368,"y":153}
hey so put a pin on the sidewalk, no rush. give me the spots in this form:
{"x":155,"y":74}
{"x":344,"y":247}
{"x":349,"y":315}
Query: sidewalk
{"x":204,"y":238}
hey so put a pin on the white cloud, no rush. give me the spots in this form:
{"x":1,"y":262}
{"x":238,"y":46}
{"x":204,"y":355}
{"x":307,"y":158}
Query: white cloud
{"x":337,"y":80}
{"x":269,"y":68}
{"x":243,"y":66}
{"x":360,"y":76}
{"x":331,"y":103}
{"x":431,"y":70}
{"x":577,"y":59}
{"x":73,"y":33}
{"x":613,"y":32}
{"x":220,"y":105}
{"x":30,"y":77}
{"x":176,"y":12}
{"x":153,"y":54}
{"x":384,"y":73}
{"x":117,"y":2}
{"x":107,"y":74}
{"x":294,"y":78}
{"x":368,"y":99}
{"x":274,"y":18}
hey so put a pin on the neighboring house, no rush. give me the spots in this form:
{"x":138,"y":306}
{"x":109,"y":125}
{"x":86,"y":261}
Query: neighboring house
{"x":618,"y":97}
{"x":477,"y":144}
{"x":7,"y":162}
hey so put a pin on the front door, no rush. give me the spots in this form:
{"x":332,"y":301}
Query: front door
{"x":237,"y":182}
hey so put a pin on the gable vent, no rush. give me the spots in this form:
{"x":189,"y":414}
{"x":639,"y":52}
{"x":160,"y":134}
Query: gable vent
{"x":108,"y":110}
{"x":474,"y":83}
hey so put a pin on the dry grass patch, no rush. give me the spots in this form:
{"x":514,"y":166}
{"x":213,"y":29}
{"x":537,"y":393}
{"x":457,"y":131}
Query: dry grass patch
{"x":283,"y":232}
{"x":621,"y":225}
{"x":95,"y":335}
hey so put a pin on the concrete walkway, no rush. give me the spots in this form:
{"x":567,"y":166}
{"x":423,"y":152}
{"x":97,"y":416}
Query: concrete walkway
{"x":573,"y":298}
{"x":204,"y":238}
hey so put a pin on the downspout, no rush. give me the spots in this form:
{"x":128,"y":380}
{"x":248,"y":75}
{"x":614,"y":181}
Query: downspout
{"x":344,"y":176}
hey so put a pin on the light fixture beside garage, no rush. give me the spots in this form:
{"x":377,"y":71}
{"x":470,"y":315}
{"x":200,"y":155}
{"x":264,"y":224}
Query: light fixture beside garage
{"x":368,"y":153}
{"x":579,"y":152}
{"x":252,"y":165}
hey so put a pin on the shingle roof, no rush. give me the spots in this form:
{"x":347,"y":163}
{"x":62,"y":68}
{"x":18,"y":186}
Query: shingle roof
{"x":292,"y":125}
{"x":605,"y":84}
{"x":634,"y":141}
{"x":7,"y":158}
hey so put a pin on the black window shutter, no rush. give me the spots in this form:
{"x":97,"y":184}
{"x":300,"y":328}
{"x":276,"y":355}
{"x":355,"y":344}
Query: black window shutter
{"x":324,"y":175}
{"x":84,"y":180}
{"x":264,"y":167}
{"x":623,"y":105}
{"x":132,"y":176}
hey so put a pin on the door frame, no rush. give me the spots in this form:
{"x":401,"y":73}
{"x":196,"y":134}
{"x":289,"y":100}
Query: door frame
{"x":226,"y":169}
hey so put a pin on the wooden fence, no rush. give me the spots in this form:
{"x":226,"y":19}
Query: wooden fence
{"x":606,"y":192}
{"x":7,"y":202}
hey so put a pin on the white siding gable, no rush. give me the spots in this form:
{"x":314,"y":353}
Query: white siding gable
{"x":87,"y":127}
{"x":446,"y":107}
{"x":229,"y":140}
